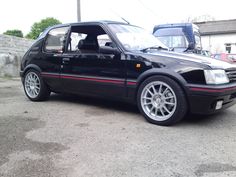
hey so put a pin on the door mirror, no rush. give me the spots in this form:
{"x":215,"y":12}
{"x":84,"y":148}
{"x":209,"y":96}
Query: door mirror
{"x":109,"y":50}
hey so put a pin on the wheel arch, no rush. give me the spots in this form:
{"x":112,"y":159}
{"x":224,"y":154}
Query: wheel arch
{"x":163,"y":72}
{"x":31,"y":66}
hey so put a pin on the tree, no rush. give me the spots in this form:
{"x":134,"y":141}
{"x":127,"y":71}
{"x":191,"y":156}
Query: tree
{"x":39,"y":27}
{"x":15,"y":32}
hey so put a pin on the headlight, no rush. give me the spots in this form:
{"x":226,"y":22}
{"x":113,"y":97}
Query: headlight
{"x":216,"y":77}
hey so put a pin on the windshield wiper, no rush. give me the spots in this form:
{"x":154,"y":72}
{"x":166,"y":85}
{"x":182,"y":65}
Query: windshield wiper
{"x":154,"y":47}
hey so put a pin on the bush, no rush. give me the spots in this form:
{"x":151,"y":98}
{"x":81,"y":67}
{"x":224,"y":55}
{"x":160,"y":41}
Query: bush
{"x":15,"y":32}
{"x":39,"y":27}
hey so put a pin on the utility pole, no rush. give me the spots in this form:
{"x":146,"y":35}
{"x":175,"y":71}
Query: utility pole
{"x":78,"y":11}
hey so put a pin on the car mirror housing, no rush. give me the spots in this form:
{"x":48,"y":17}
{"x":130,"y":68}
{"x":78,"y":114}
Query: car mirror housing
{"x":109,"y":50}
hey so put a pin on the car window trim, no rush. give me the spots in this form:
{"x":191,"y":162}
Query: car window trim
{"x":46,"y":37}
{"x":110,"y":35}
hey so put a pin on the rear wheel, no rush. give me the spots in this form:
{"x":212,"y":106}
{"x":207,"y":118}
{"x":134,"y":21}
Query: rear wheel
{"x":34,"y":87}
{"x":161,"y":100}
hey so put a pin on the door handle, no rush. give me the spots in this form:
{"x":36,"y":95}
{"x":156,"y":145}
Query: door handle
{"x":65,"y":60}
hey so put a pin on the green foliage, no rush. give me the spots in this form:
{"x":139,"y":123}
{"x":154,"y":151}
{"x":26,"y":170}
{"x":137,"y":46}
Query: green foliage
{"x":15,"y":32}
{"x":39,"y":27}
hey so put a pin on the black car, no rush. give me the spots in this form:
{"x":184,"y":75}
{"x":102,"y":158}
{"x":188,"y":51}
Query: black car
{"x":121,"y":61}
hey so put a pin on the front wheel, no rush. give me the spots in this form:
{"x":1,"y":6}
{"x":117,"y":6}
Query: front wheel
{"x":34,"y":87}
{"x":161,"y":100}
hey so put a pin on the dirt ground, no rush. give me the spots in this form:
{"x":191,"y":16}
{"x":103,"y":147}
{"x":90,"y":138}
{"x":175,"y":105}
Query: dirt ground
{"x":70,"y":136}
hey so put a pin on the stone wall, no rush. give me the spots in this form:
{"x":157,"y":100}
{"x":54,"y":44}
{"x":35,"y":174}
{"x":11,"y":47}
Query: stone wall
{"x":12,"y":50}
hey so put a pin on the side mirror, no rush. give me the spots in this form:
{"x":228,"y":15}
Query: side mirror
{"x":109,"y":50}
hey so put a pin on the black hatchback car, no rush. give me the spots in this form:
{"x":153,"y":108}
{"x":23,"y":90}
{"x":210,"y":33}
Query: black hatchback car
{"x":121,"y":61}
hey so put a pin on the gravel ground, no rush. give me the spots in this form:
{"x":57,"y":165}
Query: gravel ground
{"x":88,"y":137}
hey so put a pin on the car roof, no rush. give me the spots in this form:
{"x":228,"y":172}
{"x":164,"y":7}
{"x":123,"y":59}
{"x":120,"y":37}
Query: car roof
{"x":106,"y":22}
{"x":90,"y":23}
{"x":174,"y":24}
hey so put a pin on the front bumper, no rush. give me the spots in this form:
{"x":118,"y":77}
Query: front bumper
{"x":203,"y":99}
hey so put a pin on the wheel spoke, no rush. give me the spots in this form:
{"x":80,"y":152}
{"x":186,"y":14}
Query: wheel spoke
{"x":32,"y":92}
{"x":36,"y":90}
{"x":154,"y":90}
{"x":147,"y":98}
{"x":156,"y":111}
{"x":165,"y":90}
{"x":165,"y":108}
{"x":169,"y":103}
{"x":151,"y":109}
{"x":145,"y":104}
{"x":149,"y":91}
{"x":30,"y":77}
{"x":162,"y":112}
{"x":169,"y":97}
{"x":160,"y":88}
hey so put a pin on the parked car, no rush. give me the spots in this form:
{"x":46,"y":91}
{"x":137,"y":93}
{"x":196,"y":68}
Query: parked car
{"x":122,"y":61}
{"x":227,"y":57}
{"x":180,"y":37}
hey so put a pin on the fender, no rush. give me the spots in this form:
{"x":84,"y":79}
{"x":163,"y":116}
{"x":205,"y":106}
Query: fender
{"x":164,"y":72}
{"x":30,"y":66}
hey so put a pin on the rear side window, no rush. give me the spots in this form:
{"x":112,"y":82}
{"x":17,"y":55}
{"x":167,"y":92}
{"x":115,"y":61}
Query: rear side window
{"x":55,"y":40}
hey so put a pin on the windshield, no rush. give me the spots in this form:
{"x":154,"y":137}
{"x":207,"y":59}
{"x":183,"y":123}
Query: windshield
{"x":172,"y":37}
{"x":135,"y":38}
{"x":174,"y":41}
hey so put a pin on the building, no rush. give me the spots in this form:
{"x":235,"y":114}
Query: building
{"x":218,"y":36}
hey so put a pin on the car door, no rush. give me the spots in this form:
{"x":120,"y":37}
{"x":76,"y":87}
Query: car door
{"x":50,"y":60}
{"x":92,"y":66}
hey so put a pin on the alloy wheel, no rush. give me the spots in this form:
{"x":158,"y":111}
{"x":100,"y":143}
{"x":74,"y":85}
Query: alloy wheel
{"x":32,"y":84}
{"x":158,"y":101}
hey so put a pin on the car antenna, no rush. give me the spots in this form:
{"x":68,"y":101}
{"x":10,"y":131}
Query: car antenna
{"x":122,"y":18}
{"x":125,"y":20}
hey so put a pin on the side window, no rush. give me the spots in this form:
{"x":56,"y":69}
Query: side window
{"x":55,"y":40}
{"x":75,"y":39}
{"x":198,"y":40}
{"x":89,"y":39}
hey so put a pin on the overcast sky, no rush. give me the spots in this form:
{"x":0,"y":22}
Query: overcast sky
{"x":21,"y":14}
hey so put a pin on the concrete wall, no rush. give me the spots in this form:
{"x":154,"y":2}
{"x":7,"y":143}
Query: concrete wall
{"x":216,"y":43}
{"x":12,"y":50}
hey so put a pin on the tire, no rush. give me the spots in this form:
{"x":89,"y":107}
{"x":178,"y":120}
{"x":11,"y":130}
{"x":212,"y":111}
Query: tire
{"x":161,"y":100}
{"x":34,"y":87}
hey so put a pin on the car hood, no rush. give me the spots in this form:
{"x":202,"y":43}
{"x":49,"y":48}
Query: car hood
{"x":211,"y":62}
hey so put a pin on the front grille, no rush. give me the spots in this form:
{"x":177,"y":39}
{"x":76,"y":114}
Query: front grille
{"x":231,"y":75}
